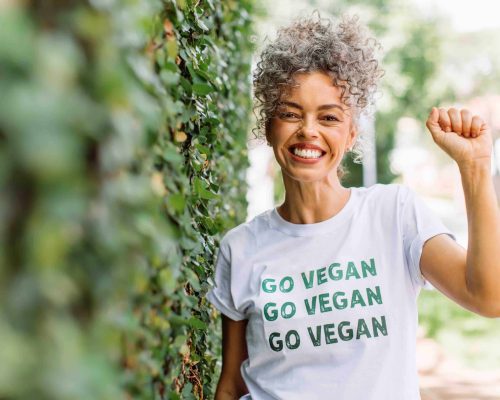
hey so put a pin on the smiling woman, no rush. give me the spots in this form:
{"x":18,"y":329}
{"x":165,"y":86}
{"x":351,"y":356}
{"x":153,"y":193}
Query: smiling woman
{"x":344,"y":52}
{"x":311,"y":85}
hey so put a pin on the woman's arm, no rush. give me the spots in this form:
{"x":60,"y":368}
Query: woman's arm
{"x":483,"y":255}
{"x":234,"y":351}
{"x":470,"y":277}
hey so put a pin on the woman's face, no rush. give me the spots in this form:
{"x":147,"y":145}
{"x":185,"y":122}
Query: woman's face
{"x":311,"y":129}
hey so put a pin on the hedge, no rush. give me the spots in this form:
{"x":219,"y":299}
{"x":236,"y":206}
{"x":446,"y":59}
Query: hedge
{"x":123,"y":128}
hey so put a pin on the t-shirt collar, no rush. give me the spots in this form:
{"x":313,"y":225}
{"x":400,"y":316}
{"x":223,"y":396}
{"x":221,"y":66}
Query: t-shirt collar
{"x":278,"y":222}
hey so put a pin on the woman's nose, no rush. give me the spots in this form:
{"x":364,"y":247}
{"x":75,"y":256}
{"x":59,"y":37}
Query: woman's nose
{"x":308,"y":128}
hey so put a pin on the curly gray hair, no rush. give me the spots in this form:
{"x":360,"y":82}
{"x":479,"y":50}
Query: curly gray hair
{"x":343,"y":50}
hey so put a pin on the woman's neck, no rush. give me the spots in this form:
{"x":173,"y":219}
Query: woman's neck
{"x":312,"y":202}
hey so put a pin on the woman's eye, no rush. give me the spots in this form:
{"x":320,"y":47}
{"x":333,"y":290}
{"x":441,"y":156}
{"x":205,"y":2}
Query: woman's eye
{"x":288,"y":115}
{"x":330,"y":118}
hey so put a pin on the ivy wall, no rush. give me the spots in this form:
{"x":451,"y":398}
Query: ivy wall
{"x":123,"y":128}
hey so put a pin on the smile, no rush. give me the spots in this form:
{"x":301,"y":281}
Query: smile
{"x":306,"y":155}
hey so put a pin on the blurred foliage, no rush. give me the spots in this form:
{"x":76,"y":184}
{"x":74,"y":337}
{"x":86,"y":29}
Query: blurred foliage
{"x":476,"y":71}
{"x":122,"y":148}
{"x":471,"y":338}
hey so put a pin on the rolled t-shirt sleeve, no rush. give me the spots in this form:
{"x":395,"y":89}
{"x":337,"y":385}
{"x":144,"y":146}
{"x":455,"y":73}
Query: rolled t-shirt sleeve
{"x":220,"y":295}
{"x":419,"y":224}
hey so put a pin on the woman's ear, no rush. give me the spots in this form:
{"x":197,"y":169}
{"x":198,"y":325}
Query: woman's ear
{"x":353,"y":135}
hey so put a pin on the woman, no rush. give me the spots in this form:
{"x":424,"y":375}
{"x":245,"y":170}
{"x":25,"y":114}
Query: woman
{"x":318,"y":296}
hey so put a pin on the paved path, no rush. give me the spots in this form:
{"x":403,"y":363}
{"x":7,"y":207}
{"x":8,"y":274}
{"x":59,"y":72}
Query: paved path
{"x":442,"y":378}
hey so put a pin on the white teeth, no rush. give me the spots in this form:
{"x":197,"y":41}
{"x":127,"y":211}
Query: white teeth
{"x":306,"y":153}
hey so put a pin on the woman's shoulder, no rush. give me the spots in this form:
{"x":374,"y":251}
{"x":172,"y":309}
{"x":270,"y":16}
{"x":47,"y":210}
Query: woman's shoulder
{"x":244,"y":236}
{"x":383,"y":198}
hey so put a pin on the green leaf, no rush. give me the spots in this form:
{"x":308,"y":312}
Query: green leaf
{"x":172,"y":49}
{"x":187,"y":392}
{"x":201,"y":190}
{"x":178,"y":320}
{"x":186,"y":85}
{"x":193,"y":280}
{"x":197,"y":323}
{"x":177,"y":201}
{"x":172,"y":156}
{"x":202,"y":89}
{"x":174,"y":396}
{"x":203,"y":149}
{"x":167,"y":281}
{"x":202,"y":25}
{"x":179,"y":341}
{"x":169,"y":78}
{"x":187,"y":244}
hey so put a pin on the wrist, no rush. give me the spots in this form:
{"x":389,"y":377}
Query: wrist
{"x":475,"y":166}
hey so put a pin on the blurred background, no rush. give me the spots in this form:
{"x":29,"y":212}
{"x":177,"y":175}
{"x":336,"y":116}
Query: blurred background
{"x":435,"y":53}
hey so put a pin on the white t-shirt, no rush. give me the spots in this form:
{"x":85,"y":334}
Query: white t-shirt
{"x":331,"y":306}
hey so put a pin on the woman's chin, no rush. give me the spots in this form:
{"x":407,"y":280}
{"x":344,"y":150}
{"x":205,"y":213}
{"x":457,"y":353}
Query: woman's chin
{"x":308,"y":172}
{"x":308,"y":176}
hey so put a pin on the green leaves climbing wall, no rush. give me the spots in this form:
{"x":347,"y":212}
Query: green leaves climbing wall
{"x":123,"y":127}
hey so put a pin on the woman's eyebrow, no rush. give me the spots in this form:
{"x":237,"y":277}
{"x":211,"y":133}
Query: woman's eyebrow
{"x":322,"y":107}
